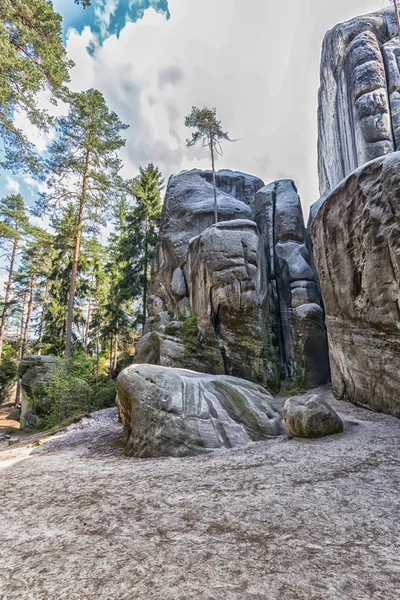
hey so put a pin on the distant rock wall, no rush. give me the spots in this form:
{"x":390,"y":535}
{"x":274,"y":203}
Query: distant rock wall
{"x":240,"y":297}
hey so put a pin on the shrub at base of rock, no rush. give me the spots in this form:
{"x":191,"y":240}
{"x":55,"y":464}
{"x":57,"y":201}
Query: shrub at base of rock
{"x":176,"y":412}
{"x":49,"y":393}
{"x":311,"y":417}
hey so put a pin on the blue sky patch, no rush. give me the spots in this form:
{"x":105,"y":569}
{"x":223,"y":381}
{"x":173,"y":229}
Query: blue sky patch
{"x":106,"y":17}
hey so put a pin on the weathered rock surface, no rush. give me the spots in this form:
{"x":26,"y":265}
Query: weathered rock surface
{"x":359,"y":98}
{"x":175,"y":412}
{"x":228,"y":293}
{"x":37,"y":373}
{"x":356,"y":237}
{"x":311,"y":417}
{"x":240,"y":297}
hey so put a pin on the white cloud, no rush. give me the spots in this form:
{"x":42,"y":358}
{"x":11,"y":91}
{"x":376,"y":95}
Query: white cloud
{"x":258,"y":63}
{"x":12,"y":185}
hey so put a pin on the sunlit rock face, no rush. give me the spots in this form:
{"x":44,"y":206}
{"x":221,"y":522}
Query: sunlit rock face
{"x":356,"y":237}
{"x":355,"y":224}
{"x":240,"y":297}
{"x":176,"y":412}
{"x":359,"y":97}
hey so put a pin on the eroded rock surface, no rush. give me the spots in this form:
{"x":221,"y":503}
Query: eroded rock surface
{"x":175,"y":412}
{"x":356,"y":237}
{"x":240,"y":297}
{"x":359,"y":98}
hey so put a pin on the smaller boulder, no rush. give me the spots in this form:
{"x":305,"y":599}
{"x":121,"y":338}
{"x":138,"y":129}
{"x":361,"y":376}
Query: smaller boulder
{"x":311,"y":417}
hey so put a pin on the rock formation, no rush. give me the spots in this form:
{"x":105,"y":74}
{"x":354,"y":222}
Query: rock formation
{"x":175,"y":412}
{"x":359,"y":97}
{"x":311,"y":417}
{"x":356,"y":237}
{"x":356,"y":227}
{"x":240,"y":297}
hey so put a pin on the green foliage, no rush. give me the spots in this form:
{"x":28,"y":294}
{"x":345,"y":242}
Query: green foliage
{"x":208,"y":129}
{"x":8,"y":369}
{"x":70,"y":389}
{"x":190,"y":333}
{"x":32,"y":58}
{"x":137,"y":242}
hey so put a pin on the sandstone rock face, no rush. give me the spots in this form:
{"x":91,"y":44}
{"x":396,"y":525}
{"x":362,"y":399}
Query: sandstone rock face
{"x":240,"y":297}
{"x":175,"y":412}
{"x":356,"y":237}
{"x":311,"y":417}
{"x":37,"y":374}
{"x":359,"y":98}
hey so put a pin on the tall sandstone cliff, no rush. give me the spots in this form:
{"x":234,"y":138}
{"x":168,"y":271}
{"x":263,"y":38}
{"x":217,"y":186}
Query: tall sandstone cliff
{"x":356,"y":228}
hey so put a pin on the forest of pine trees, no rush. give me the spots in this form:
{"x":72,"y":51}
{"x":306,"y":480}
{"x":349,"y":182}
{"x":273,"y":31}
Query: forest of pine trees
{"x":68,"y":291}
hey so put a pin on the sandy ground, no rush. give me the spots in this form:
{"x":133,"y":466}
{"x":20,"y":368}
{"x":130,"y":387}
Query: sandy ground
{"x":277,"y":520}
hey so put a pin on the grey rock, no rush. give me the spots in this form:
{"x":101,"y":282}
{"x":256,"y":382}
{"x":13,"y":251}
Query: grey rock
{"x":236,"y":285}
{"x":305,"y":346}
{"x":311,"y":417}
{"x":356,"y":237}
{"x":358,"y":113}
{"x":174,"y":412}
{"x":178,"y":283}
{"x":226,"y":272}
{"x":188,"y":210}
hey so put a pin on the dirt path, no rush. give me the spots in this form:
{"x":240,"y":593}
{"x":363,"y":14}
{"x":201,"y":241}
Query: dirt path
{"x":277,"y":520}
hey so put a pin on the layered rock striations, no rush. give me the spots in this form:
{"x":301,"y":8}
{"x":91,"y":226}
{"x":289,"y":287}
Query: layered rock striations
{"x":359,"y":97}
{"x":176,"y":412}
{"x":240,"y":297}
{"x":356,"y":227}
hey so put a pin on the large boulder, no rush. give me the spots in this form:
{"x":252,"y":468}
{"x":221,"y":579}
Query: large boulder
{"x":356,"y":237}
{"x":240,"y":297}
{"x":359,"y":97}
{"x":311,"y":417}
{"x":176,"y":412}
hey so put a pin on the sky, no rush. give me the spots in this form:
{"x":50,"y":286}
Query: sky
{"x":257,"y":62}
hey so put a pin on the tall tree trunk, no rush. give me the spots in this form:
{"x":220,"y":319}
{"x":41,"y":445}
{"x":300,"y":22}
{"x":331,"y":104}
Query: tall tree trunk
{"x":145,"y":268}
{"x":213,"y":176}
{"x":115,"y":362}
{"x":111,"y":357}
{"x":72,"y":289}
{"x":89,"y":316}
{"x":97,"y":357}
{"x":21,"y":343}
{"x":46,"y":296}
{"x":8,"y":293}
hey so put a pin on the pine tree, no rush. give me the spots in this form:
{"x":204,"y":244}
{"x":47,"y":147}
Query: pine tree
{"x":32,"y":58}
{"x":84,"y":168}
{"x":31,"y":270}
{"x":209,"y":131}
{"x":55,"y":321}
{"x":137,"y":245}
{"x":14,"y":226}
